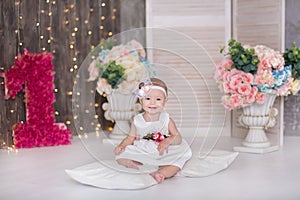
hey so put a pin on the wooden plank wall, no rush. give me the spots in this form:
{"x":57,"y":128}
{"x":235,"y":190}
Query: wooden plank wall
{"x":57,"y":21}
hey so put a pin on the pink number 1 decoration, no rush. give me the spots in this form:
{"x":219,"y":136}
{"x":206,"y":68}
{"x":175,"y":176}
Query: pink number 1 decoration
{"x":35,"y":71}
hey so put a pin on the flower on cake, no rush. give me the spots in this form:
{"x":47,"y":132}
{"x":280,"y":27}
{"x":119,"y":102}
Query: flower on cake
{"x":119,"y":67}
{"x":247,"y":74}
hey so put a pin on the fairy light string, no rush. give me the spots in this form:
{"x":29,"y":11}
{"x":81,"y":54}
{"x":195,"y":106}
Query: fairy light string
{"x":104,"y":10}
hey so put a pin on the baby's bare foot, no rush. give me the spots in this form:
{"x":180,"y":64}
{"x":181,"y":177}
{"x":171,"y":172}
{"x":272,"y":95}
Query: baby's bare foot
{"x":132,"y":164}
{"x":158,"y":176}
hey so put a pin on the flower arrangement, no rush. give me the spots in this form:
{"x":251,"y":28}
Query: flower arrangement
{"x":119,"y":67}
{"x":156,"y":137}
{"x":35,"y":71}
{"x":247,"y":74}
{"x":292,"y":58}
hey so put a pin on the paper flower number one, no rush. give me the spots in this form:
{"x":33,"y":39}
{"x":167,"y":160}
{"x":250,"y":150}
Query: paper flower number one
{"x":35,"y":72}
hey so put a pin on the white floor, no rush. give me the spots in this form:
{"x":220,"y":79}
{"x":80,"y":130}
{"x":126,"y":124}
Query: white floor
{"x":38,"y":173}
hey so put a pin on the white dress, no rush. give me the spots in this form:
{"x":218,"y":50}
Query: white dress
{"x":109,"y":174}
{"x":145,"y":151}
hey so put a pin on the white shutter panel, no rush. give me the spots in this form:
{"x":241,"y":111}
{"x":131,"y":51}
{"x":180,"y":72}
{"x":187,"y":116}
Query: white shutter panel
{"x":260,"y":22}
{"x":184,"y":56}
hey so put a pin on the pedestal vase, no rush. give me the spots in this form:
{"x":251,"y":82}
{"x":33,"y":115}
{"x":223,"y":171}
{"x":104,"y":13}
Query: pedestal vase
{"x":258,"y":118}
{"x":120,"y":109}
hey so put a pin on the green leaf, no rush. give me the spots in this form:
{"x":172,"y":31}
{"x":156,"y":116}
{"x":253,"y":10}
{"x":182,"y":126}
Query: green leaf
{"x":247,"y":68}
{"x":114,"y":74}
{"x":222,"y":49}
{"x":244,"y":58}
{"x":240,"y":62}
{"x":295,"y":52}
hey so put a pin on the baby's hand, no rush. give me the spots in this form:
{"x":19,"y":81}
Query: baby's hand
{"x":119,"y":149}
{"x":163,"y":147}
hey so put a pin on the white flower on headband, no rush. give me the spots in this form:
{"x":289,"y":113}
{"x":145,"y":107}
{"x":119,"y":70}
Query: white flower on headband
{"x":143,"y":88}
{"x":146,"y":86}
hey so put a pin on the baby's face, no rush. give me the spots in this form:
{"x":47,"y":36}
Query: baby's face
{"x":154,"y":101}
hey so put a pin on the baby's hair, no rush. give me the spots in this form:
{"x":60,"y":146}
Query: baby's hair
{"x":158,"y":82}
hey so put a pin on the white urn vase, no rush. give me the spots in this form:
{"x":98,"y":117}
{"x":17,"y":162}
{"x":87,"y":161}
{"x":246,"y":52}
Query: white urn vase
{"x":257,"y":118}
{"x":120,"y":109}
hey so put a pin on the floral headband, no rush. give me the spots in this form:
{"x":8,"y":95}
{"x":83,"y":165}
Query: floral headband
{"x":146,"y":86}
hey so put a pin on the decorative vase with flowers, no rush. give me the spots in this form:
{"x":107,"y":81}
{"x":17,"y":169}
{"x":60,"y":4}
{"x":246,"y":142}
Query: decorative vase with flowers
{"x":118,"y":69}
{"x":251,"y":78}
{"x":292,"y":58}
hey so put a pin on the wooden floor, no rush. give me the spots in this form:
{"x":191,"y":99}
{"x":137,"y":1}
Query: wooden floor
{"x":38,"y":173}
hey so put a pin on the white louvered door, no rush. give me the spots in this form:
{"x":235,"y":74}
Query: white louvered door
{"x":260,"y":22}
{"x":184,"y":46}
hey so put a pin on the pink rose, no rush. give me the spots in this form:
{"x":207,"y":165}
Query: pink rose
{"x":235,"y":72}
{"x":219,"y":74}
{"x":103,"y":86}
{"x":226,"y":88}
{"x":225,"y":76}
{"x":235,"y":82}
{"x":227,"y":63}
{"x":252,"y":95}
{"x":260,"y":97}
{"x":244,"y":89}
{"x":248,"y":78}
{"x":93,"y":71}
{"x":236,"y":100}
{"x":138,"y":47}
{"x":231,"y":102}
{"x":222,"y":67}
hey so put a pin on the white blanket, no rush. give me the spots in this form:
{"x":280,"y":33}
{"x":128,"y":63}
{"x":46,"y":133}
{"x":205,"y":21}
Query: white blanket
{"x":108,"y":174}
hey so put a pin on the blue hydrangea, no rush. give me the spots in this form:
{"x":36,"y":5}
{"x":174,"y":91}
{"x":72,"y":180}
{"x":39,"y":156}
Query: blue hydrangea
{"x":264,"y":88}
{"x":280,"y":77}
{"x":103,"y":54}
